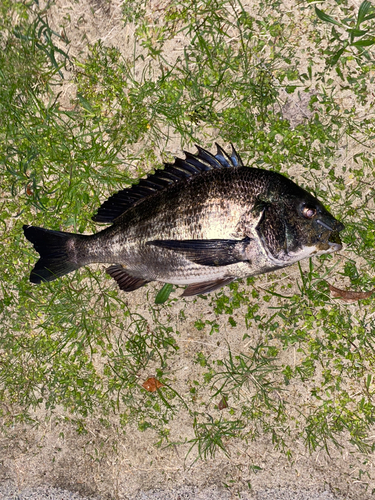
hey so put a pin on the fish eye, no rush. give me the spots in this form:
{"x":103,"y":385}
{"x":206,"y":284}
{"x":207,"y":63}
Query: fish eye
{"x":308,"y":212}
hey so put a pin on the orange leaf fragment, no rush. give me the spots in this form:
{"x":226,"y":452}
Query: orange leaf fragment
{"x":349,"y":295}
{"x":151,"y":384}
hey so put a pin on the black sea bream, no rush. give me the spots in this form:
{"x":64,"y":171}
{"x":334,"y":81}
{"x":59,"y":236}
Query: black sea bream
{"x":204,"y":221}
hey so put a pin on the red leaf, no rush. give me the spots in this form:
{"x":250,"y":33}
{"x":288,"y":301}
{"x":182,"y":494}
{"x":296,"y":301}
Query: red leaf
{"x":349,"y":295}
{"x":151,"y":384}
{"x":223,"y":403}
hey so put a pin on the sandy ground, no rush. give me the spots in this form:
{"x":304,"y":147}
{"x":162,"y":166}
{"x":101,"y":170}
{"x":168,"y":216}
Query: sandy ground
{"x":54,"y":462}
{"x":41,"y":464}
{"x":9,"y":491}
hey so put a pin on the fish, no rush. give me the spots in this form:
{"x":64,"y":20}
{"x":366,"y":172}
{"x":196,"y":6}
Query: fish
{"x":203,"y":221}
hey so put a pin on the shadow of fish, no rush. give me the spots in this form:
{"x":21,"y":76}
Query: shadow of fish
{"x":203,"y":222}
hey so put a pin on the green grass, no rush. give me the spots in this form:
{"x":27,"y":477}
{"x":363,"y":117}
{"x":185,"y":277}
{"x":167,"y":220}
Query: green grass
{"x":76,"y":344}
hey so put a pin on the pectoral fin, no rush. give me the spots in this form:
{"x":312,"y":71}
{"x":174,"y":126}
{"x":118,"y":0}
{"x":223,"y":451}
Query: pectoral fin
{"x":207,"y":252}
{"x":206,"y":287}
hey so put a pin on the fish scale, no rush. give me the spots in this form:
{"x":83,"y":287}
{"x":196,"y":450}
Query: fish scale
{"x":204,"y":221}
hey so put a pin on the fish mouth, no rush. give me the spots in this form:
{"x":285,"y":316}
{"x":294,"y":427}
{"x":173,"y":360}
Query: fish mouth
{"x":334,"y":241}
{"x":332,"y":238}
{"x":329,"y":239}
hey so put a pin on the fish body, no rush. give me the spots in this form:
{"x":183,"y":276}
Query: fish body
{"x":204,"y":221}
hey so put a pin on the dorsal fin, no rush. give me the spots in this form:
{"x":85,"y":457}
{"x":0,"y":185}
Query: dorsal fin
{"x":181,"y":169}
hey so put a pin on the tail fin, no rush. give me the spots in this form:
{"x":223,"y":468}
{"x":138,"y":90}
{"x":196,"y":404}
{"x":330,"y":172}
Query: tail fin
{"x":57,"y":253}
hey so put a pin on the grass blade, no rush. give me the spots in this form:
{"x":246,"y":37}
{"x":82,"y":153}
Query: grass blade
{"x":326,"y":18}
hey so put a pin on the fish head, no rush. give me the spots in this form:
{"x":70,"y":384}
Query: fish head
{"x":295,"y":225}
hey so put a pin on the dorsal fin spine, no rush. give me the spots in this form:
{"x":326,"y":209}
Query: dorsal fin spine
{"x":235,"y":157}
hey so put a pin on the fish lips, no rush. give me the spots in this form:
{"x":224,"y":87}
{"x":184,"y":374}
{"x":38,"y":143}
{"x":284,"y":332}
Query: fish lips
{"x":331,"y":233}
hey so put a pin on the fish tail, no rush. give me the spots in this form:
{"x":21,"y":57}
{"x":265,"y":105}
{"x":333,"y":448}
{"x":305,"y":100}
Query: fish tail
{"x":57,"y":250}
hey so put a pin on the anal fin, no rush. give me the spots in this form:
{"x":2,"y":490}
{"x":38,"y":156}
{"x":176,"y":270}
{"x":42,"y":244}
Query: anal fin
{"x":206,"y":287}
{"x":124,"y":280}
